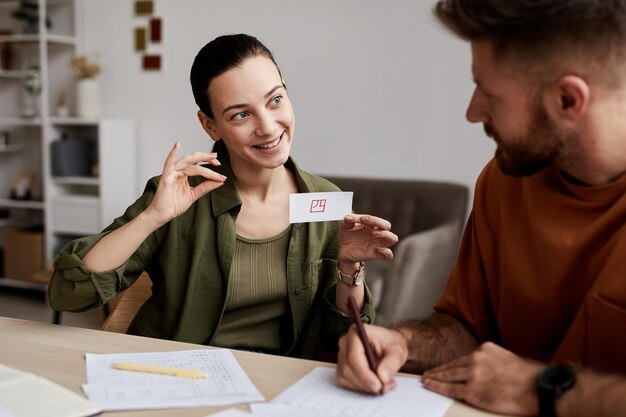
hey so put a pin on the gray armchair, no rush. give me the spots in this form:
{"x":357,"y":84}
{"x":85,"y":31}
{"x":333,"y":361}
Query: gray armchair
{"x":428,"y":217}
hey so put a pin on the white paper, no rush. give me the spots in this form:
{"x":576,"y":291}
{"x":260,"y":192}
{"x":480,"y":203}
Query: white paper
{"x":231,"y":412}
{"x":23,"y":394}
{"x":114,"y":389}
{"x":318,"y":390}
{"x":282,"y":410}
{"x":319,"y":207}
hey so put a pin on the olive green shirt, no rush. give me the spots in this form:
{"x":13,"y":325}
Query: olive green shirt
{"x":189,"y":260}
{"x":256,"y":315}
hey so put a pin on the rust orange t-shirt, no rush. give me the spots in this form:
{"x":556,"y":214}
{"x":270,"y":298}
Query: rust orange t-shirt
{"x":542,"y":269}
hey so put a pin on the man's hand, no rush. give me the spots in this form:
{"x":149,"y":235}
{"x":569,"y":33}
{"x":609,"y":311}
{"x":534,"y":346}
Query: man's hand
{"x":491,"y":378}
{"x":353,"y":371}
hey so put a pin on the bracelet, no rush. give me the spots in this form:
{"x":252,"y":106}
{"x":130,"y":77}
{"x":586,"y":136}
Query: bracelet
{"x":352,"y":280}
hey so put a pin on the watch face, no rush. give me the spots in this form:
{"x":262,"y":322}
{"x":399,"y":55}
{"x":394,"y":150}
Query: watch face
{"x":557,"y":378}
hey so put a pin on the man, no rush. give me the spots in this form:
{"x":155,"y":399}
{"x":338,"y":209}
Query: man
{"x":541,"y":273}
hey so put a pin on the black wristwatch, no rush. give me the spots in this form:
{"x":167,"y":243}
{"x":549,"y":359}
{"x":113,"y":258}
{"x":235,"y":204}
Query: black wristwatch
{"x":551,"y":383}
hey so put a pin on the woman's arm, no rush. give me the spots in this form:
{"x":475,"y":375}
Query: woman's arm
{"x":361,"y":237}
{"x":173,"y":197}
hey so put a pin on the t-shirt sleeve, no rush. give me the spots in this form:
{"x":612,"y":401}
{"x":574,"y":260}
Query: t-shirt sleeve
{"x":466,"y":295}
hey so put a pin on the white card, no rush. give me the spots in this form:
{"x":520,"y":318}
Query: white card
{"x":319,"y":207}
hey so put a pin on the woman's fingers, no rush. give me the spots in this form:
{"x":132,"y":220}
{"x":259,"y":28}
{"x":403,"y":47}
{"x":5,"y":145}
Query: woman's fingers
{"x":197,"y":170}
{"x":168,"y":166}
{"x":371,"y":221}
{"x":196,"y":158}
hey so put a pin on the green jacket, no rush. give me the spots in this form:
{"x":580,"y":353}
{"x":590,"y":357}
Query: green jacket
{"x":188,"y":261}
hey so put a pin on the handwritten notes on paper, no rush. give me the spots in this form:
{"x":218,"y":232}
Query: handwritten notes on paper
{"x":317,"y":394}
{"x":113,"y":389}
{"x":318,"y":207}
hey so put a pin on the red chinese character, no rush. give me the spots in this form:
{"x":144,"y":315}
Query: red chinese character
{"x":318,"y":206}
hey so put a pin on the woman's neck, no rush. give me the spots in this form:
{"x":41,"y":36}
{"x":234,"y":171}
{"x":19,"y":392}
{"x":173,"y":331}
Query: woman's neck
{"x":261,"y":184}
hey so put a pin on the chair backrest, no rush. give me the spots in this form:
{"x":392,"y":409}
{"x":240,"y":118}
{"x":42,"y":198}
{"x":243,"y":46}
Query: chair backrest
{"x":410,"y":205}
{"x":428,"y":217}
{"x":125,"y":305}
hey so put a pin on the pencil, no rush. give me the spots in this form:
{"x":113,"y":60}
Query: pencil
{"x":162,"y":370}
{"x":360,"y":329}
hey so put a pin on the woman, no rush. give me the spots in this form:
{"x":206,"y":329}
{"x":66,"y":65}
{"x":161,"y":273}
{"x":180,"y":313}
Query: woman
{"x":227,"y":267}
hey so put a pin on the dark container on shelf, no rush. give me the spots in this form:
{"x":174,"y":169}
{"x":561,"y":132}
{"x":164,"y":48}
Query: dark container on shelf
{"x":71,"y":157}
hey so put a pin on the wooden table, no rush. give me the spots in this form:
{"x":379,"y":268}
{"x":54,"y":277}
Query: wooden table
{"x":57,"y":353}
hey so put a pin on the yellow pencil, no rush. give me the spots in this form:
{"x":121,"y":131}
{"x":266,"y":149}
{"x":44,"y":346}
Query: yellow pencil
{"x":162,"y":370}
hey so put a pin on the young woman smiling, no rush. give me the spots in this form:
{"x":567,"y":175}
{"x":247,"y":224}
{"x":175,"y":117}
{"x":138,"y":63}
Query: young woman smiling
{"x":227,"y":267}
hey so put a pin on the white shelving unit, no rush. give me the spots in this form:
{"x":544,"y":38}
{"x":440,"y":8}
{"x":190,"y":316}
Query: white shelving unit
{"x":64,"y":207}
{"x":83,"y":205}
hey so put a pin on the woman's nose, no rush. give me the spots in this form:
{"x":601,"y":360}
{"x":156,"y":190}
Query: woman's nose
{"x":266,"y":123}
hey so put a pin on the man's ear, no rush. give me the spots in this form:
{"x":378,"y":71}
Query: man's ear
{"x":208,"y":125}
{"x":568,"y":99}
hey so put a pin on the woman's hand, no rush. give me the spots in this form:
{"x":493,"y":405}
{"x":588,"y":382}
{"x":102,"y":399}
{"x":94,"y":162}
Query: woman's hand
{"x":363,"y":237}
{"x":174,"y":195}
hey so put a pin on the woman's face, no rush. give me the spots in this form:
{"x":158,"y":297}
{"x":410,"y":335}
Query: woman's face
{"x":252,"y":114}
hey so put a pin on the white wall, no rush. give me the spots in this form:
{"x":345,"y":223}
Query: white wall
{"x":379,"y":88}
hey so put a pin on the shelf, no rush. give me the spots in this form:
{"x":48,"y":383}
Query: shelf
{"x":13,"y":222}
{"x":15,"y":3}
{"x":11,"y":148}
{"x":18,"y":75}
{"x":72,"y":121}
{"x":20,"y":121}
{"x":34,"y":205}
{"x":95,"y":181}
{"x":29,"y":38}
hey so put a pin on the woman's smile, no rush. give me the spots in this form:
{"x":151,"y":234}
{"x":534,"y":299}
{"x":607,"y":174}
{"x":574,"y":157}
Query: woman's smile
{"x":271,"y":145}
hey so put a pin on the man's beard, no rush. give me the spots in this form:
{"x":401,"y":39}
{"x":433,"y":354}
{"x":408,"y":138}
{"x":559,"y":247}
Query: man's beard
{"x":527,"y":154}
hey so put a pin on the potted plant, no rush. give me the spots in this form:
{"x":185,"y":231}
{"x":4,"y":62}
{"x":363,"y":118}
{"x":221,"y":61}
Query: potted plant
{"x":28,"y":11}
{"x":87,"y":96}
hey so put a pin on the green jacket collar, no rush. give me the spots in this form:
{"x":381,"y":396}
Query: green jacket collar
{"x":226,"y":197}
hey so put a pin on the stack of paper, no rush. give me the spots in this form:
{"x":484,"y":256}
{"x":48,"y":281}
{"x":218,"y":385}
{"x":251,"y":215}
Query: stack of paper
{"x":114,"y":389}
{"x":317,"y":394}
{"x":23,"y":394}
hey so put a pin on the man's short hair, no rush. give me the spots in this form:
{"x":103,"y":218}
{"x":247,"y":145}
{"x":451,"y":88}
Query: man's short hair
{"x":538,"y":33}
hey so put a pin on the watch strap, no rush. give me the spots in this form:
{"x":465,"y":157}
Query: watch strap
{"x":552,"y":382}
{"x":353,"y":280}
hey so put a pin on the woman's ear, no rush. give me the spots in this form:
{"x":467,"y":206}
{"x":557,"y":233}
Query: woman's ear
{"x":208,"y":125}
{"x":568,"y":99}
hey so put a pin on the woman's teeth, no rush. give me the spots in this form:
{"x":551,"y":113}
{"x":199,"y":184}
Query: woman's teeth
{"x":270,"y":145}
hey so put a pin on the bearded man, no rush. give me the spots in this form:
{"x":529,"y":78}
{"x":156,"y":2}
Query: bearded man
{"x":533,"y":318}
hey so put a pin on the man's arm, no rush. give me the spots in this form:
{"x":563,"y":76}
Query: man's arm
{"x":434,"y":341}
{"x":496,"y":380}
{"x":424,"y":344}
{"x":594,"y":395}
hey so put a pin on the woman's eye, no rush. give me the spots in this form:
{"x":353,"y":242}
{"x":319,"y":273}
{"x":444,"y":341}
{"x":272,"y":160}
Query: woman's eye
{"x":276,"y":100}
{"x":240,"y":116}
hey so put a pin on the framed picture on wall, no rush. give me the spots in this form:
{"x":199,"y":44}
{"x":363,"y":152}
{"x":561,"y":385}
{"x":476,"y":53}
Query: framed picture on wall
{"x":23,"y":185}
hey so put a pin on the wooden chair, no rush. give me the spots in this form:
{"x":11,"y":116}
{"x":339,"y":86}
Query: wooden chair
{"x":124,"y":307}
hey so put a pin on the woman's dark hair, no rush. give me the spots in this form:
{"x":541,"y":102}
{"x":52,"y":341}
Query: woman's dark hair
{"x":215,"y":58}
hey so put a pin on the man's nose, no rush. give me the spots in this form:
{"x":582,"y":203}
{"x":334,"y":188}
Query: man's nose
{"x":476,"y":110}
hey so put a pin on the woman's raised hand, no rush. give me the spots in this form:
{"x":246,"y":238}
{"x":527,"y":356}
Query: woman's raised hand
{"x":363,"y":237}
{"x":174,"y":195}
